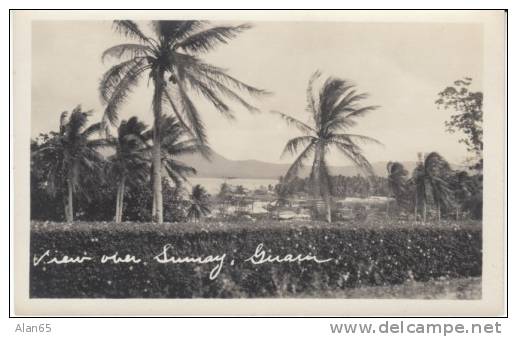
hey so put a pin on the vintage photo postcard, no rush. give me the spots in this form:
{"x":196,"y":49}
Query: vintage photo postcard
{"x":259,"y":163}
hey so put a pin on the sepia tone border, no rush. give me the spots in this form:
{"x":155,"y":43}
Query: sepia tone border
{"x":494,"y":212}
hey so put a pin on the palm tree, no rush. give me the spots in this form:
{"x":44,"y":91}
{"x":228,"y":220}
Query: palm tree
{"x":176,"y":142}
{"x":430,"y":178}
{"x":333,"y":110}
{"x":72,"y":156}
{"x":198,"y":203}
{"x":397,"y":176}
{"x":170,"y":58}
{"x":130,"y":162}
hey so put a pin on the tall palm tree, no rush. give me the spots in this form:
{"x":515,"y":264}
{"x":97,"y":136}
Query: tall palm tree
{"x":199,"y":203}
{"x":130,"y":162}
{"x":170,"y":58}
{"x":431,"y":180}
{"x":397,"y":178}
{"x":333,"y":110}
{"x":72,"y":156}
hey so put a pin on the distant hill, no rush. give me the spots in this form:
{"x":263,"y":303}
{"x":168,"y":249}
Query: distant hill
{"x":220,"y":167}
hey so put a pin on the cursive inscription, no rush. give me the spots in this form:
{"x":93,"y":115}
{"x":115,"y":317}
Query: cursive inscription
{"x":261,"y":257}
{"x":165,"y":257}
{"x":46,"y":259}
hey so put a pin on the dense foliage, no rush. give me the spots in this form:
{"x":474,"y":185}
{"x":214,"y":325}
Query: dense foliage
{"x":341,"y":186}
{"x":467,"y":116}
{"x":387,"y":254}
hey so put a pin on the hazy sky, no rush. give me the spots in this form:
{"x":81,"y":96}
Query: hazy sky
{"x":401,"y":66}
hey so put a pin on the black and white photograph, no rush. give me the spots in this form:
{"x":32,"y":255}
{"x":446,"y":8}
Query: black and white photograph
{"x":205,"y":157}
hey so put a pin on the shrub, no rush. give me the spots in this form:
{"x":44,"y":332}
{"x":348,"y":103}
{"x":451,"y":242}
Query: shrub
{"x":362,"y":256}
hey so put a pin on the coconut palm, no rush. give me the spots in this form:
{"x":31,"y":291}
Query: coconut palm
{"x":176,"y":142}
{"x":170,"y":58}
{"x":333,"y":110}
{"x":72,"y":156}
{"x":199,"y":203}
{"x":130,"y":162}
{"x":430,"y":178}
{"x":397,"y":178}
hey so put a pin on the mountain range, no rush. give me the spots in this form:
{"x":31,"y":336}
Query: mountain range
{"x":221,"y":167}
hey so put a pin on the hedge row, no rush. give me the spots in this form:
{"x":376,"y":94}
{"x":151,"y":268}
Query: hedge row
{"x":360,"y":257}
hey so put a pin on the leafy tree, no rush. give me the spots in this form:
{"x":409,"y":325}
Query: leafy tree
{"x":44,"y":206}
{"x":71,"y":157}
{"x":224,"y":191}
{"x":130,"y":162}
{"x":334,"y":109}
{"x":467,"y":117}
{"x":468,"y":192}
{"x":170,"y":58}
{"x":199,"y":203}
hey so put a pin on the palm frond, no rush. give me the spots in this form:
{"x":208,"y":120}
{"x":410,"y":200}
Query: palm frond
{"x":362,"y":111}
{"x":350,"y":137}
{"x":129,"y":50}
{"x":210,"y":84}
{"x":77,"y":121}
{"x":207,"y":40}
{"x":177,"y":113}
{"x":91,"y":130}
{"x":298,"y":163}
{"x":189,"y":27}
{"x":348,"y":100}
{"x":191,"y":114}
{"x":312,"y":102}
{"x":115,"y":89}
{"x":130,"y":29}
{"x":295,"y":122}
{"x":181,"y":168}
{"x":171,"y":32}
{"x":293,"y":144}
{"x":113,"y":76}
{"x":338,"y":124}
{"x":221,"y":75}
{"x":211,"y":96}
{"x":330,"y":93}
{"x":63,"y":119}
{"x":353,"y":154}
{"x":173,"y":147}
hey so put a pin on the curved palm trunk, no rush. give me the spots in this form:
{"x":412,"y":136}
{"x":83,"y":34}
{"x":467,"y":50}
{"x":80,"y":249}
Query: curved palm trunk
{"x":159,"y":87}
